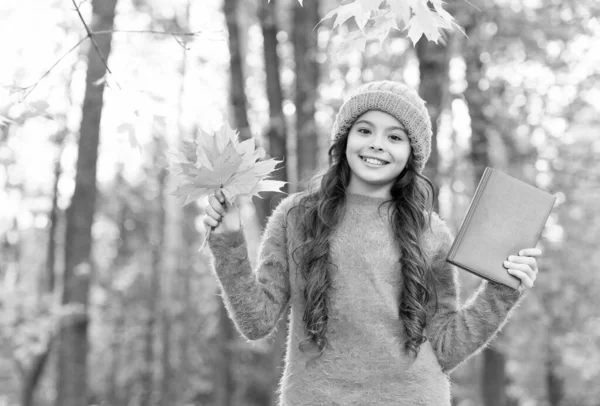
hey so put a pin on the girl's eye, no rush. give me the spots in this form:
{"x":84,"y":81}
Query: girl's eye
{"x":396,"y":137}
{"x":363,"y":131}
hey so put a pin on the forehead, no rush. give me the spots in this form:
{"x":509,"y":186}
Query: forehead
{"x":380,"y":118}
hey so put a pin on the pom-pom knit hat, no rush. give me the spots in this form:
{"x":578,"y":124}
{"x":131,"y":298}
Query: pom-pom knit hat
{"x":396,"y":99}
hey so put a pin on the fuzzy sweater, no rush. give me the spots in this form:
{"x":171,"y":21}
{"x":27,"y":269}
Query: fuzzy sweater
{"x":364,"y":362}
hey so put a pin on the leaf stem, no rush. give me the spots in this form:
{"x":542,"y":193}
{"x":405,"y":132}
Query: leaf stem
{"x":205,"y":242}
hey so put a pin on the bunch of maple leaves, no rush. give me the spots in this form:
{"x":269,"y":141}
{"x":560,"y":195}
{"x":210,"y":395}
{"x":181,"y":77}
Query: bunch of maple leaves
{"x":219,"y":161}
{"x":375,"y":18}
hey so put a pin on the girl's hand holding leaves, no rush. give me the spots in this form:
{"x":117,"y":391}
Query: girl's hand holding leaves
{"x":219,"y":162}
{"x":221,"y":217}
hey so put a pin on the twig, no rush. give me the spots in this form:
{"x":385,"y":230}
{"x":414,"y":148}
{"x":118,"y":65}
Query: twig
{"x":175,"y":35}
{"x":32,"y":87}
{"x":91,"y":36}
{"x":181,"y":34}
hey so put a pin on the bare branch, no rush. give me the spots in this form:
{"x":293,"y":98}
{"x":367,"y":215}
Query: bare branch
{"x":91,"y":36}
{"x":180,"y":34}
{"x":32,"y":87}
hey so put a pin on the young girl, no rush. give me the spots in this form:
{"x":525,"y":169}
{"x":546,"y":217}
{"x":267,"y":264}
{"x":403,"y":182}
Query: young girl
{"x":375,"y":318}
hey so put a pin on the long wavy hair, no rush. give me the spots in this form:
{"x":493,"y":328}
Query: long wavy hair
{"x":322,"y":208}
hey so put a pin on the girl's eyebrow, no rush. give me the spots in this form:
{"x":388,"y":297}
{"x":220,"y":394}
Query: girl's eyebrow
{"x":373,"y":125}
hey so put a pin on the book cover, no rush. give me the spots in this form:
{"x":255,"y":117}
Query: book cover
{"x":505,"y":215}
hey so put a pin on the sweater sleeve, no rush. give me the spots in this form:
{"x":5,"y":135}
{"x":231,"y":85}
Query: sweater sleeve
{"x":254,"y":299}
{"x":456,"y":332}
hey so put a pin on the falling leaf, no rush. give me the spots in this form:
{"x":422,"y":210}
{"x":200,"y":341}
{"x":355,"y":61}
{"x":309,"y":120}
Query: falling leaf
{"x":100,"y":81}
{"x":133,"y":141}
{"x":39,"y":105}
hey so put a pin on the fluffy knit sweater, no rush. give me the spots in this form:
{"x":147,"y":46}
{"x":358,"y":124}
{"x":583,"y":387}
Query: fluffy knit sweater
{"x":364,"y":362}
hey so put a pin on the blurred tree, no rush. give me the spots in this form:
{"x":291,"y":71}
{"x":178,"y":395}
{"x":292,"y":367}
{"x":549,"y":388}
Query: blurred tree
{"x":277,"y":138}
{"x":306,"y":49}
{"x":176,"y":277}
{"x":493,"y":371}
{"x":47,"y":281}
{"x":73,"y":341}
{"x":115,"y":296}
{"x":433,"y":88}
{"x":224,"y":379}
{"x":156,"y":243}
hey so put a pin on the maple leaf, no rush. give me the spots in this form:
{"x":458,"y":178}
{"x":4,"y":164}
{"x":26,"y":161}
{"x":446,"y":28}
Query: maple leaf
{"x":400,"y":8}
{"x":219,"y":161}
{"x":347,"y":11}
{"x":382,"y":24}
{"x":369,"y":5}
{"x":423,"y":21}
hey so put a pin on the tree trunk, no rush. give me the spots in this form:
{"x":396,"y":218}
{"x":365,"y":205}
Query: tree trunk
{"x":237,"y":79}
{"x":48,"y":280}
{"x":307,"y":85}
{"x":554,"y":383}
{"x":277,"y":135}
{"x":117,"y":337}
{"x":476,"y":98}
{"x":276,"y":132}
{"x":73,"y":341}
{"x":433,"y":88}
{"x":33,"y":375}
{"x":36,"y":369}
{"x":493,"y":378}
{"x":157,"y":244}
{"x":224,"y":380}
{"x":175,"y":249}
{"x":185,"y":270}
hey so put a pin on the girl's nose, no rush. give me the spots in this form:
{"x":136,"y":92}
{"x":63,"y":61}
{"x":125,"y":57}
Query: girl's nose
{"x":376,"y":148}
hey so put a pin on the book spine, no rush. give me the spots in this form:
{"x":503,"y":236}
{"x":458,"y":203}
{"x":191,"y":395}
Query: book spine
{"x":478,"y":192}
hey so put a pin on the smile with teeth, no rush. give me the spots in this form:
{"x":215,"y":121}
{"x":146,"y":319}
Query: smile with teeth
{"x":374,"y":161}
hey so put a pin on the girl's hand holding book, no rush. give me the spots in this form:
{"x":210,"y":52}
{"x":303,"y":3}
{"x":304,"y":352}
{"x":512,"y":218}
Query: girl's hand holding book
{"x":221,"y":216}
{"x":524,"y":266}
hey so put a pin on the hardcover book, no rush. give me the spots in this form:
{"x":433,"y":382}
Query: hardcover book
{"x":505,"y":215}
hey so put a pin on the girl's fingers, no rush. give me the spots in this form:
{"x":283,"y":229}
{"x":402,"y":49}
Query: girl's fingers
{"x":530,"y":252}
{"x":220,"y":196}
{"x":526,"y":281}
{"x":524,"y":260}
{"x":211,"y":222}
{"x":216,"y":205}
{"x":212,"y":213}
{"x":526,"y":269}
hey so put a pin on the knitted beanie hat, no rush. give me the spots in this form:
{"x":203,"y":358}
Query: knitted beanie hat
{"x":396,"y":99}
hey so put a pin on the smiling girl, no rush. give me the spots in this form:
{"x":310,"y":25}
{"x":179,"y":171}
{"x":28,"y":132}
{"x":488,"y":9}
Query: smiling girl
{"x":360,"y":260}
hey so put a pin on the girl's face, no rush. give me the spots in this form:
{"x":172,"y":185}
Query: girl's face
{"x":377,"y":152}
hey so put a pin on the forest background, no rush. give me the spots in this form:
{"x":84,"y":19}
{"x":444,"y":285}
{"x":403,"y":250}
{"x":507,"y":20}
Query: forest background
{"x":104,"y":297}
